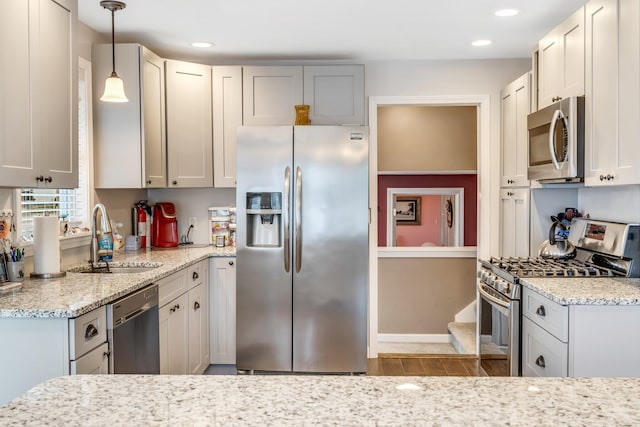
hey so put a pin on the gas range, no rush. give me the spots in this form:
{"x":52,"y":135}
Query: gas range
{"x":603,"y":249}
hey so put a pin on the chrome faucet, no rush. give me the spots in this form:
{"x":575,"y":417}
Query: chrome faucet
{"x":105,"y":229}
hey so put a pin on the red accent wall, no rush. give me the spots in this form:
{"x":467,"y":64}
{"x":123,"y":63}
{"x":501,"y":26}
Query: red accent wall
{"x":468,"y":182}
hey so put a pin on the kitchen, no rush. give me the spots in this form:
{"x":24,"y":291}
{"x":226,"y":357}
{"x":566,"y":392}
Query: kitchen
{"x":428,"y":78}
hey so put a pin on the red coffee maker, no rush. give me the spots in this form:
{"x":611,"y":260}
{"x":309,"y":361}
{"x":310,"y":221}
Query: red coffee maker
{"x":164,"y":229}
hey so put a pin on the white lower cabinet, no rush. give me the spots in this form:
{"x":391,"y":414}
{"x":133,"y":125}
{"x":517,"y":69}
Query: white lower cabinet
{"x":94,"y":362}
{"x":579,"y":340}
{"x":223,"y":311}
{"x":184,"y":321}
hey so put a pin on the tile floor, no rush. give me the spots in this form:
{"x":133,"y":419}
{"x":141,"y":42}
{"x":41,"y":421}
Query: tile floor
{"x":404,"y":364}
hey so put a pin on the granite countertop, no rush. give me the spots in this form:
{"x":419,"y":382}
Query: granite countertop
{"x":79,"y":293}
{"x":587,"y":290}
{"x":165,"y":400}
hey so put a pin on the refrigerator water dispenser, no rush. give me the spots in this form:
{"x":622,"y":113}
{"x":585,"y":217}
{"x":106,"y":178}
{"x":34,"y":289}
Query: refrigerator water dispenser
{"x":264,"y":215}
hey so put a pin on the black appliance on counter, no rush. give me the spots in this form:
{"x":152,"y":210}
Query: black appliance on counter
{"x":603,"y":248}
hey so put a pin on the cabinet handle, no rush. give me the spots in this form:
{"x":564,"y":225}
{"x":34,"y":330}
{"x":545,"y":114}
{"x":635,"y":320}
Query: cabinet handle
{"x":509,"y":193}
{"x":174,"y":182}
{"x":540,"y":362}
{"x":49,"y":179}
{"x":195,"y":275}
{"x":541,"y":311}
{"x":196,"y":305}
{"x":230,"y":262}
{"x":609,"y":177}
{"x":90,"y":332}
{"x":39,"y":178}
{"x":106,"y":354}
{"x":556,"y":98}
{"x":175,"y":308}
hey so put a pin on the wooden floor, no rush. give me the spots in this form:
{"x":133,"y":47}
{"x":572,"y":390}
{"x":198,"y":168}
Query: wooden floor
{"x":425,"y":366}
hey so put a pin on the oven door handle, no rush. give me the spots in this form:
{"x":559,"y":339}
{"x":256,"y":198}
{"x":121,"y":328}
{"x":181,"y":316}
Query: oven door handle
{"x":491,"y":298}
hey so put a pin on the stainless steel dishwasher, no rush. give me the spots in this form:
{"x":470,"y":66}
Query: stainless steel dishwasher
{"x":133,"y":333}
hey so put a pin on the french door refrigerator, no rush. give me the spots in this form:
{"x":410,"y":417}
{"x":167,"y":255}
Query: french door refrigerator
{"x":302,"y":248}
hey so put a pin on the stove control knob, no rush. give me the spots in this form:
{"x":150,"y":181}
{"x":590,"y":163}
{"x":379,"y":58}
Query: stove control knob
{"x":507,"y":288}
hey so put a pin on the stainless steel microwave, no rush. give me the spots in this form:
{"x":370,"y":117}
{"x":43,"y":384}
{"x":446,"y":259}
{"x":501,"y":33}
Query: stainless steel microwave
{"x":556,"y":142}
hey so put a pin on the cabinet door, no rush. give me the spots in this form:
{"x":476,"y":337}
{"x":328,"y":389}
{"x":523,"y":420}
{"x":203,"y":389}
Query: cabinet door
{"x":270,"y":93}
{"x":335,"y":94}
{"x":514,"y":109}
{"x":223,"y":310}
{"x":227,"y":116}
{"x":16,"y":140}
{"x":154,"y":136}
{"x":198,"y":329}
{"x":628,"y":152}
{"x":55,"y":93}
{"x":174,"y":333}
{"x":601,"y":101}
{"x":94,"y":362}
{"x":189,"y":133}
{"x":561,"y":61}
{"x":514,"y":233}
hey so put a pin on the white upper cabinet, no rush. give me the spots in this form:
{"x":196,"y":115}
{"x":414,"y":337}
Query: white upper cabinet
{"x":514,"y":110}
{"x":335,"y":94}
{"x":38,"y":94}
{"x":612,"y":102}
{"x":561,"y":61}
{"x":130,"y":138}
{"x":227,"y":117}
{"x":270,"y":94}
{"x":189,"y":125}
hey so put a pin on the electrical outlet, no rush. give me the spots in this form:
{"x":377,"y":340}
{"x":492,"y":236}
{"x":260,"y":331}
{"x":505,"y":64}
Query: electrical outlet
{"x":193,"y":221}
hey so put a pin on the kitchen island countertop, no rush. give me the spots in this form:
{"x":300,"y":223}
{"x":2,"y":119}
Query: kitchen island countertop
{"x":78,"y":293}
{"x":325,"y":400}
{"x":587,"y":290}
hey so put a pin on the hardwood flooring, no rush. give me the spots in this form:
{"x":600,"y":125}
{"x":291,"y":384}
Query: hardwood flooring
{"x":407,"y":365}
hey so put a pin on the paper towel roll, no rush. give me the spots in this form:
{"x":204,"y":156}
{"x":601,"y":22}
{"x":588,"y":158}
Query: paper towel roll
{"x":46,"y":245}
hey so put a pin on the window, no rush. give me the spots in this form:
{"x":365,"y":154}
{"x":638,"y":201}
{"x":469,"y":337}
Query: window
{"x":69,"y":205}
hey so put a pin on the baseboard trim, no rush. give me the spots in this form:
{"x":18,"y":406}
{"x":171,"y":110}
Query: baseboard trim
{"x":414,"y":338}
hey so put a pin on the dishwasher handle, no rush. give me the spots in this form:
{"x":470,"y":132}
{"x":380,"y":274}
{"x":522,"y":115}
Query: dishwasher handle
{"x":132,"y":306}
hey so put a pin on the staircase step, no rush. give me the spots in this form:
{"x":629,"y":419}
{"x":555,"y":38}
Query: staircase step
{"x":463,"y":336}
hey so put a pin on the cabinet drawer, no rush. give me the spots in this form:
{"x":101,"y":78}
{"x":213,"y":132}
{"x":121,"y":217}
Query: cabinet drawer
{"x":542,"y":354}
{"x":195,"y":274}
{"x":94,"y":362}
{"x":172,"y":287}
{"x":87,"y":332}
{"x":552,"y":316}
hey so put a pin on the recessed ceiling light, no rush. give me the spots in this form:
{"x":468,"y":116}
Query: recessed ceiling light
{"x":481,"y":43}
{"x":201,"y":44}
{"x":506,"y":12}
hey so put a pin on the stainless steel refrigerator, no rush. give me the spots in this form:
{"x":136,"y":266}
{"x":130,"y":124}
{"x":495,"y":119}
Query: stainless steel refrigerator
{"x":302,"y":248}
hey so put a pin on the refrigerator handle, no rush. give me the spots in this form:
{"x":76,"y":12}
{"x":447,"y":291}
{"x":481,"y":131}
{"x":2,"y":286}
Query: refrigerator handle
{"x":298,"y":219}
{"x":286,"y":218}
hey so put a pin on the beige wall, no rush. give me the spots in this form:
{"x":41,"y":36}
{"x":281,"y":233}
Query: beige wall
{"x":427,"y":138}
{"x":87,"y":36}
{"x":422,"y":295}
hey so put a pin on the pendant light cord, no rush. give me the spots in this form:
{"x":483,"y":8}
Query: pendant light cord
{"x":113,"y":43}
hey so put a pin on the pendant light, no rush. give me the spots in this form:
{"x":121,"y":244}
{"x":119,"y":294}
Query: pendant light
{"x":113,"y":87}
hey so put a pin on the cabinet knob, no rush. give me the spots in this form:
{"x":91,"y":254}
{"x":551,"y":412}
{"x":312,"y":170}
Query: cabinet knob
{"x":509,"y":193}
{"x":106,"y":354}
{"x":196,"y":305}
{"x":609,"y":177}
{"x":195,"y":275}
{"x":602,"y":177}
{"x":174,"y":182}
{"x":148,"y":182}
{"x":175,"y":308}
{"x":48,"y":179}
{"x":540,"y":362}
{"x":39,"y":178}
{"x":230,"y":262}
{"x":541,"y":311}
{"x":90,"y":332}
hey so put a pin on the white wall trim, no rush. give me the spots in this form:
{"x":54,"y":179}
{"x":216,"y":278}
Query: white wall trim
{"x":414,"y":338}
{"x":428,"y":252}
{"x":485,"y":196}
{"x":411,"y":343}
{"x":467,"y":314}
{"x":447,"y":172}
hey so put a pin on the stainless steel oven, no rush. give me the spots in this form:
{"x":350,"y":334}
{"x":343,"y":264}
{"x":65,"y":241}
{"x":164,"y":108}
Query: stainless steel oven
{"x":499,"y":324}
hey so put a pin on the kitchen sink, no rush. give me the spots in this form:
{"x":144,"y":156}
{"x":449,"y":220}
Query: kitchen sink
{"x":118,"y":269}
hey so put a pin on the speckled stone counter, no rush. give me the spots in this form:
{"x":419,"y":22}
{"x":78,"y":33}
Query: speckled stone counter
{"x":79,"y":293}
{"x":325,"y":400}
{"x":587,"y":290}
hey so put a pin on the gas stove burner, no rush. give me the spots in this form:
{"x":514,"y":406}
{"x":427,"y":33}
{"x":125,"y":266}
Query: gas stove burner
{"x":515,"y":267}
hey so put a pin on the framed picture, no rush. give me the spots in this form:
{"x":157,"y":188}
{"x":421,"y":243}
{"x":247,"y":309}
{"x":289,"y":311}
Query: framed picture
{"x":407,"y":210}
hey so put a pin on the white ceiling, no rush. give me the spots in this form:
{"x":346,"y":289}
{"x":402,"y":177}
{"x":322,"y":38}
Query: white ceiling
{"x":330,"y":29}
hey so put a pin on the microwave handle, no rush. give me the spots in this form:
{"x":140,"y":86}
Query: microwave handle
{"x":557,"y":115}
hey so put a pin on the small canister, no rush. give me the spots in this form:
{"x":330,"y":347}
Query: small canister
{"x":232,"y":234}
